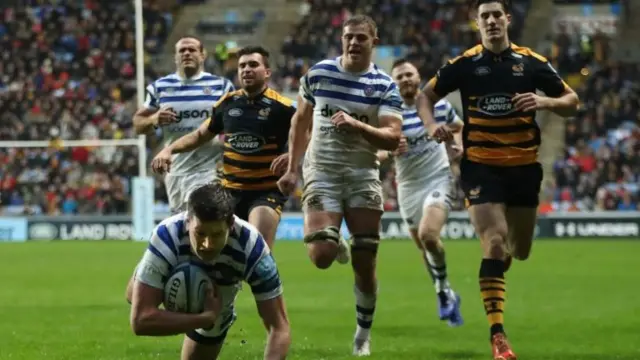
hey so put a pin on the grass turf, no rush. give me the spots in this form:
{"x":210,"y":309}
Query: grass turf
{"x":572,"y":300}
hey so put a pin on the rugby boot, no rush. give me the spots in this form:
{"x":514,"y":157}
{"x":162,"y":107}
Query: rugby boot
{"x":361,"y":347}
{"x":501,"y":348}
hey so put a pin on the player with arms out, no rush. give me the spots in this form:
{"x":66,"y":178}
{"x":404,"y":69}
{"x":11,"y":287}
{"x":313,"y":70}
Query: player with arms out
{"x":255,"y":121}
{"x":425,"y":183}
{"x":354,"y":108}
{"x":230,"y":250}
{"x":178,"y":104}
{"x":499,"y":170}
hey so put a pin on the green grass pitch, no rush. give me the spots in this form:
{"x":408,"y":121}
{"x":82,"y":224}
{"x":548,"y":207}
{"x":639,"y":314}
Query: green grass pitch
{"x":572,"y":300}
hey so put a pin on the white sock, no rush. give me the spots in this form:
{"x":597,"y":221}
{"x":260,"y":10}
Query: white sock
{"x":365,"y":308}
{"x":438,"y":271}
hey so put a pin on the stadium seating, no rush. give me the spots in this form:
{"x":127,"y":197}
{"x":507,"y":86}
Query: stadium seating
{"x":599,"y":169}
{"x":431,"y":31}
{"x":75,"y":80}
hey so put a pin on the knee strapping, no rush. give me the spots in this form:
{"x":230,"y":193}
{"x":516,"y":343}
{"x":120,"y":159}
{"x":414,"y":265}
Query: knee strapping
{"x":365,"y":242}
{"x":330,"y":233}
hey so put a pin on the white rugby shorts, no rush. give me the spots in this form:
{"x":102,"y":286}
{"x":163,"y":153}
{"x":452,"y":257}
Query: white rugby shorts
{"x":414,"y":198}
{"x":333,"y":191}
{"x":180,"y":186}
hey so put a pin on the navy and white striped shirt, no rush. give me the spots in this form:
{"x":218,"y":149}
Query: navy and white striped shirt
{"x":245,"y":257}
{"x":425,"y":157}
{"x":192,"y":100}
{"x":365,"y":96}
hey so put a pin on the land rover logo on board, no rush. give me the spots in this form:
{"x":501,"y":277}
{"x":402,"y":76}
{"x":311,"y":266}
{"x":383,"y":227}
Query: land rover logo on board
{"x":43,"y":231}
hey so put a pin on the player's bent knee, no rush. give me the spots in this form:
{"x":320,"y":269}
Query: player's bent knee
{"x":323,"y":246}
{"x":367,"y":243}
{"x":495,"y":244}
{"x":430,"y":237}
{"x":521,"y":253}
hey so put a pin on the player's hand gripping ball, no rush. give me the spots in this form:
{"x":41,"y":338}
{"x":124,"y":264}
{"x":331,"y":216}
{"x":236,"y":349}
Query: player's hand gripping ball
{"x":186,"y":289}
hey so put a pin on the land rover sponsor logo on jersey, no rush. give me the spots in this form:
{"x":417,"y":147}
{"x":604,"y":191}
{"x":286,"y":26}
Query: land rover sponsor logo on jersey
{"x":328,"y":112}
{"x":245,"y":143}
{"x":496,"y":104}
{"x":235,"y":112}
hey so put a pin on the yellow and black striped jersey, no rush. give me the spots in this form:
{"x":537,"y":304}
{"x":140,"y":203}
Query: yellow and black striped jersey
{"x":495,"y":132}
{"x":256,"y":130}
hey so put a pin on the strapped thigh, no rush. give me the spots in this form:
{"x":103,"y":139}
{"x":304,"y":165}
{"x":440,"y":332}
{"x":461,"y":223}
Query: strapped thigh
{"x":365,"y":242}
{"x":331,"y":233}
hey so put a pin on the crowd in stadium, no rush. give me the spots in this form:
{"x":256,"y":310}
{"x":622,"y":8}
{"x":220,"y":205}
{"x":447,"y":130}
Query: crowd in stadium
{"x":77,"y":81}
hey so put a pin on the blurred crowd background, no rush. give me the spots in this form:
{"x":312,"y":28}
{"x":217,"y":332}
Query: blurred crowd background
{"x":67,"y":71}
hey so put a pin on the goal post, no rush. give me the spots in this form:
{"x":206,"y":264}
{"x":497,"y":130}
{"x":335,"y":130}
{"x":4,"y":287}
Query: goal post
{"x":142,"y":186}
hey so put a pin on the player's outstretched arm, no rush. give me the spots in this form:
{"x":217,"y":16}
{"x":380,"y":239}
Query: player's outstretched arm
{"x":193,"y":140}
{"x":148,"y":320}
{"x":299,"y":133}
{"x":274,"y":316}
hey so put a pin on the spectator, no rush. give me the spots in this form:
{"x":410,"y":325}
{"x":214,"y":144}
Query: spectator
{"x":75,"y":80}
{"x":601,"y":166}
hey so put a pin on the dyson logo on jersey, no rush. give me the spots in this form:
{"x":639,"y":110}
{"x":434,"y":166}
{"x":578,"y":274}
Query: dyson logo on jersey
{"x":191,"y":114}
{"x":328,"y":112}
{"x":327,"y":130}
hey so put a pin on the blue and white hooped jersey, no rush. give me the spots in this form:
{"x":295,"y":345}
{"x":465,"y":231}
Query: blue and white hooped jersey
{"x":425,"y":156}
{"x":365,"y":96}
{"x":245,"y":257}
{"x":192,"y":100}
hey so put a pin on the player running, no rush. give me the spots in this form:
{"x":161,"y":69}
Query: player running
{"x":499,"y":171}
{"x":425,"y":184}
{"x":230,"y":250}
{"x":178,"y":104}
{"x":255,"y":122}
{"x":354,"y":108}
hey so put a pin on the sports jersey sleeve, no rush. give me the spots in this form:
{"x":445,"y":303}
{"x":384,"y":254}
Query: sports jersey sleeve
{"x":305,"y":90}
{"x":448,"y":78}
{"x":444,"y":112}
{"x":547,"y":79}
{"x":262,"y":273}
{"x":391,"y":102}
{"x":228,"y":86}
{"x":159,"y":258}
{"x":151,"y":97}
{"x":215,"y":123}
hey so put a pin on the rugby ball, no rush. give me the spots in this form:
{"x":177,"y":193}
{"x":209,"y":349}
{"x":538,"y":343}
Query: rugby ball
{"x":186,"y":288}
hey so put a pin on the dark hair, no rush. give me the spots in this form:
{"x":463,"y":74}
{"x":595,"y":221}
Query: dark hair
{"x":362,"y":20}
{"x":400,"y":61}
{"x":194,"y":38}
{"x":211,"y":202}
{"x":255,"y":49}
{"x":506,"y":4}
